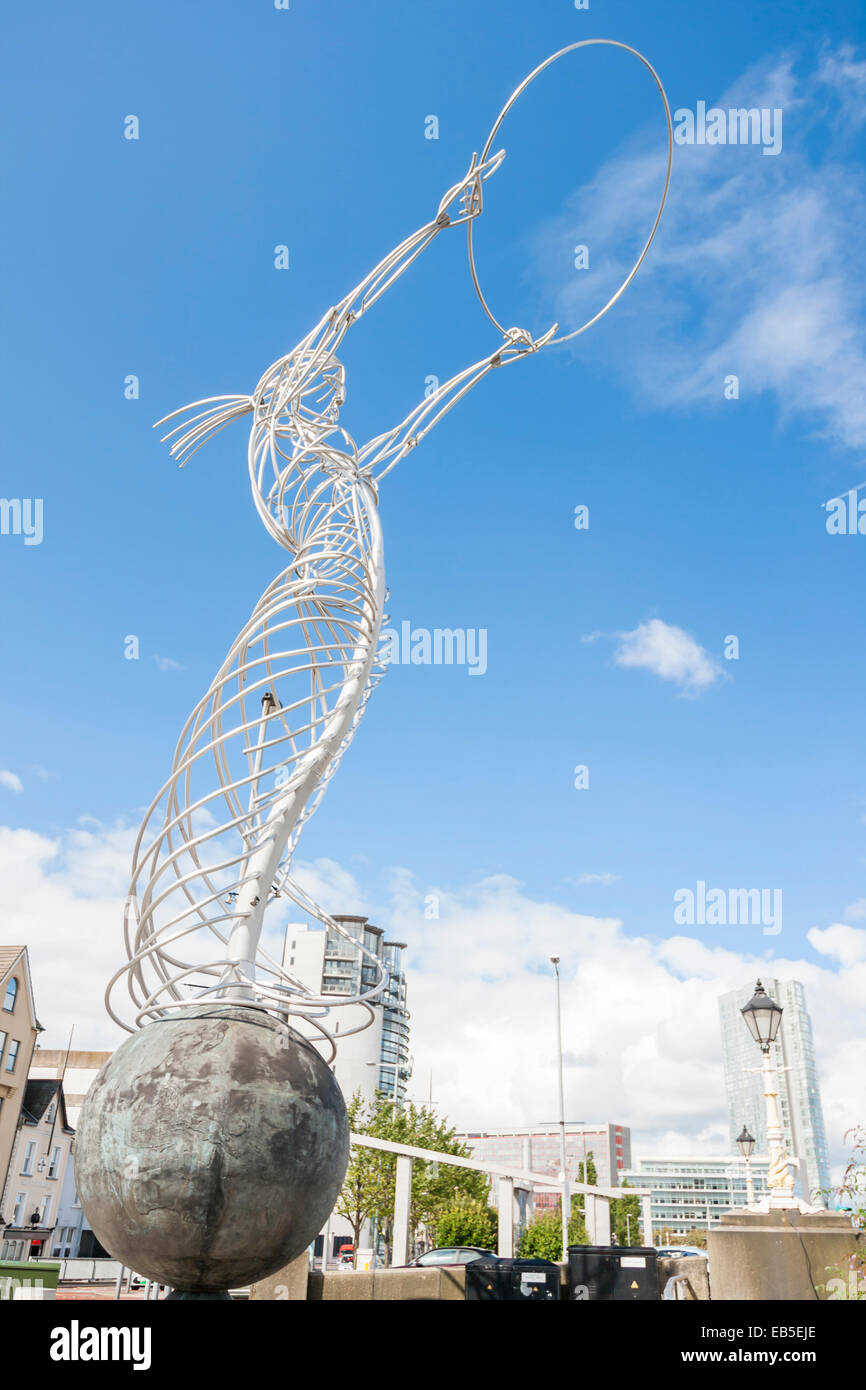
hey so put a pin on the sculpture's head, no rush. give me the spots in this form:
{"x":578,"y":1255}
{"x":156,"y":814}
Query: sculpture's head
{"x":301,"y":395}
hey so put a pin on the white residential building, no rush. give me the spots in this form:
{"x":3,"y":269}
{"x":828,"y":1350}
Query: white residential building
{"x":34,"y":1182}
{"x":378,"y":1058}
{"x":78,"y":1070}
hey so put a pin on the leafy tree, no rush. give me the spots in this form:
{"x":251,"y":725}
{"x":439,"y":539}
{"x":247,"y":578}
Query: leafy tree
{"x":467,"y":1222}
{"x":362,"y":1195}
{"x":587,"y":1170}
{"x":625,"y":1220}
{"x":696,"y":1236}
{"x":850,"y":1197}
{"x":369,"y":1187}
{"x":542,"y":1239}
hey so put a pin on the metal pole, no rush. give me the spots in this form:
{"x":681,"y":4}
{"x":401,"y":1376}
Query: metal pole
{"x":554,"y":960}
{"x":118,"y":1286}
{"x":750,"y":1188}
{"x":326,"y":1242}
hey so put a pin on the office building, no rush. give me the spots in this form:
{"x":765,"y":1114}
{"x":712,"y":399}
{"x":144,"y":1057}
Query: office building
{"x":378,"y":1058}
{"x":799,"y":1095}
{"x":536,"y":1149}
{"x":692,"y":1193}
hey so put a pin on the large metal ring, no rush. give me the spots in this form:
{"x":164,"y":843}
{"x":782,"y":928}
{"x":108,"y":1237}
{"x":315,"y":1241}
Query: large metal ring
{"x":584,"y":43}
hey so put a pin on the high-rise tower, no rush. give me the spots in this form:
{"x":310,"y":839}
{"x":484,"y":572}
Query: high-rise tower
{"x":799,"y":1094}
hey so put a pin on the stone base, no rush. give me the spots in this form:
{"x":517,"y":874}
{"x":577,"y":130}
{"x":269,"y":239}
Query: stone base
{"x":783,"y":1254}
{"x":196,"y":1296}
{"x":436,"y":1284}
{"x":287,"y":1285}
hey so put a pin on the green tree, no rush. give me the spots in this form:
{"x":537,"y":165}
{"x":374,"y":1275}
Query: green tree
{"x":625,"y":1219}
{"x":467,"y":1222}
{"x":542,"y":1239}
{"x":850,"y":1197}
{"x":369,"y":1187}
{"x":696,"y":1236}
{"x":364,"y":1191}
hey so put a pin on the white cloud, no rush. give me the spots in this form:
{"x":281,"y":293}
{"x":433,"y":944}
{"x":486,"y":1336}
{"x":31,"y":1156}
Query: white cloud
{"x":640,"y":1018}
{"x":840,"y":942}
{"x":167,"y":663}
{"x":11,"y":781}
{"x":840,"y":70}
{"x":603,"y":877}
{"x":856,"y":911}
{"x":756,"y":271}
{"x":670,"y":653}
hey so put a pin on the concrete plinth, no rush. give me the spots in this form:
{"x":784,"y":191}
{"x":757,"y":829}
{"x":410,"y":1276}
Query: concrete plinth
{"x":287,"y":1285}
{"x":399,"y":1285}
{"x":779,"y":1255}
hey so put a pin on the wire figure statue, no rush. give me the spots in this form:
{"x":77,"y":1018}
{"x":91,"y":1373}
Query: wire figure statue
{"x":259,"y":749}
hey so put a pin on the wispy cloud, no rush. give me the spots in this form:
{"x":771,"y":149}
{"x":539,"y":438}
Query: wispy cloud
{"x":11,"y":781}
{"x":167,"y":663}
{"x":756,"y":271}
{"x":670,"y":653}
{"x":604,"y":878}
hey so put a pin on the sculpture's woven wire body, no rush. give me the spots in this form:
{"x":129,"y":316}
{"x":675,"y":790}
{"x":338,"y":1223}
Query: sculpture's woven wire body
{"x":256,"y":754}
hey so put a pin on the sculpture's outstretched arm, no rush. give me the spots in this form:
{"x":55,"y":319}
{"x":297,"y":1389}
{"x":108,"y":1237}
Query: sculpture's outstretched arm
{"x":460,"y":204}
{"x":389,"y":448}
{"x":466,"y":194}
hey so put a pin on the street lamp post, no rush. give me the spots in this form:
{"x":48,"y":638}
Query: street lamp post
{"x":762,"y":1016}
{"x":554,"y":960}
{"x":746,"y":1145}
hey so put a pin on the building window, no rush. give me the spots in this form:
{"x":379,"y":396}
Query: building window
{"x":20,"y":1204}
{"x":27,"y":1165}
{"x":10,"y":996}
{"x":55,"y":1161}
{"x":45,"y":1211}
{"x":13,"y":1054}
{"x":3,"y":1037}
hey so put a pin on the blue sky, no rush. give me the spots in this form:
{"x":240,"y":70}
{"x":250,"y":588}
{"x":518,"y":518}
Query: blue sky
{"x":306,"y":127}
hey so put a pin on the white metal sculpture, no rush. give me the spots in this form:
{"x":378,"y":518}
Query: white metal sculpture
{"x":259,"y":749}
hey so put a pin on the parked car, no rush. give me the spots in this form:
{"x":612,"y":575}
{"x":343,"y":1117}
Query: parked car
{"x":346,"y":1260}
{"x":451,"y":1255}
{"x":675,"y":1252}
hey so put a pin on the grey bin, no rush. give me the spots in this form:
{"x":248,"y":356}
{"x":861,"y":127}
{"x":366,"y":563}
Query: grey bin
{"x":512,"y":1281}
{"x":612,"y":1273}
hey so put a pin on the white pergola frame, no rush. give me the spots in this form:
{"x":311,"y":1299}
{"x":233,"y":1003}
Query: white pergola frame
{"x":598,"y":1199}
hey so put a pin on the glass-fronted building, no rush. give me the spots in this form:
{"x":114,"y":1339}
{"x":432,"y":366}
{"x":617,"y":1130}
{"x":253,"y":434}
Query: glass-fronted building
{"x":692,"y":1193}
{"x":379,"y":1057}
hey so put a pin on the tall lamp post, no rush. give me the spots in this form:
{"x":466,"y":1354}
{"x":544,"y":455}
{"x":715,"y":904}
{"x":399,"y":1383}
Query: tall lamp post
{"x":763,"y":1016}
{"x":746,"y":1146}
{"x":554,"y":960}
